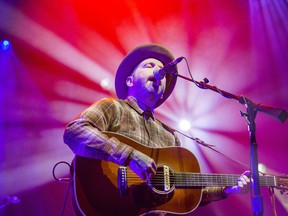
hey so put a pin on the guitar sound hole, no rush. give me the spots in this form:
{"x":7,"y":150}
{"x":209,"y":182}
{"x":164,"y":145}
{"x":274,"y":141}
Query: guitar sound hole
{"x":163,"y":182}
{"x":157,"y":192}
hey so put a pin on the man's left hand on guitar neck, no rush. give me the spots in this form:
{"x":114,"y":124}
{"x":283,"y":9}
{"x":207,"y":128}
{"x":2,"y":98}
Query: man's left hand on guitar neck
{"x":242,"y":187}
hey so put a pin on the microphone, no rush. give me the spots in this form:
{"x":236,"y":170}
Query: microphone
{"x":159,"y":73}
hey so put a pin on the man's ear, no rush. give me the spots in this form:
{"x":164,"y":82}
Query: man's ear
{"x":129,"y":81}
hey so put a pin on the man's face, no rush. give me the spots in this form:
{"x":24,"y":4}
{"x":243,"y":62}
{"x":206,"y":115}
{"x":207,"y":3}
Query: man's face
{"x":144,"y":84}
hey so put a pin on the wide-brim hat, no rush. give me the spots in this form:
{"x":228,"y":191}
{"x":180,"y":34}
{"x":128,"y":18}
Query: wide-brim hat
{"x":133,"y":58}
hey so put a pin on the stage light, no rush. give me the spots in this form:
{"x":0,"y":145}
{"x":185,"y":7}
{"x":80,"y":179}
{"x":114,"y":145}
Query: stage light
{"x":262,"y":168}
{"x":184,"y":125}
{"x":106,"y":84}
{"x":5,"y":45}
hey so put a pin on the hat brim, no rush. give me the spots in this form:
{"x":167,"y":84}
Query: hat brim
{"x":133,"y":58}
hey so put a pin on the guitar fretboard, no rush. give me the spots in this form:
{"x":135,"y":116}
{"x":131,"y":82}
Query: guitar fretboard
{"x":210,"y":180}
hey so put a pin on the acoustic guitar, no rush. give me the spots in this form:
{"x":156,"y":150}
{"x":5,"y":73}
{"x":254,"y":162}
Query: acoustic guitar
{"x":105,"y":188}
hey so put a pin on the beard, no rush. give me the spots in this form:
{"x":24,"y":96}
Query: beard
{"x":149,"y":94}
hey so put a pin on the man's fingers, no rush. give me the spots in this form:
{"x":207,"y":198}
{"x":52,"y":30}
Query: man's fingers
{"x":244,"y":182}
{"x":152,"y":171}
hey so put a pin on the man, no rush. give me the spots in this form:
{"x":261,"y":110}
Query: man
{"x":132,"y":115}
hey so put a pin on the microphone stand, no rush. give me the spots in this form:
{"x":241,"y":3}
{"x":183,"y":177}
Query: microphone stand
{"x":252,"y":108}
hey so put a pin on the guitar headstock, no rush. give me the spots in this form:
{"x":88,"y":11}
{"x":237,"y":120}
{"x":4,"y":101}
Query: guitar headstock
{"x":282,"y":184}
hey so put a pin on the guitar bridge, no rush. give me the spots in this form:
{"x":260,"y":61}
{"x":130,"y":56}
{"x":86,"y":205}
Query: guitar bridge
{"x":122,"y":181}
{"x":166,"y":177}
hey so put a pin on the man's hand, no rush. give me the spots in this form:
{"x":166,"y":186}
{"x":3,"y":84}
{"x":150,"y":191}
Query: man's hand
{"x":142,"y":165}
{"x":242,"y":187}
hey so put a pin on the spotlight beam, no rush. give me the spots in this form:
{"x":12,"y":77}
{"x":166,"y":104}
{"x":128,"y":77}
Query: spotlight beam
{"x":18,"y":24}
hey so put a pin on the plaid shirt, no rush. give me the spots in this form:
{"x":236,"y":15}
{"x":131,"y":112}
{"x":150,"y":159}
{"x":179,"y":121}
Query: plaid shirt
{"x":84,"y":137}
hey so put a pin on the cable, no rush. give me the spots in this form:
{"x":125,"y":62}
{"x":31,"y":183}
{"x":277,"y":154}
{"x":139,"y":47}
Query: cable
{"x":61,"y":179}
{"x":272,"y":199}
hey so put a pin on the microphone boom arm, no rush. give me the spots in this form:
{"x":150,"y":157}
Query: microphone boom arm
{"x":277,"y":113}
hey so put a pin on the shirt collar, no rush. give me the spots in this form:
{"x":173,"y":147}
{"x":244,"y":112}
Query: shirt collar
{"x":133,"y":103}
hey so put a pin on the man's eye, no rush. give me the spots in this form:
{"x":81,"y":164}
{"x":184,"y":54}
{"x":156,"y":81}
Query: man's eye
{"x":149,"y":65}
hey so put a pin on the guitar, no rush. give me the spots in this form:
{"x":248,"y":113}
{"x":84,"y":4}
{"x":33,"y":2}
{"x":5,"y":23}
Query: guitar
{"x":105,"y":188}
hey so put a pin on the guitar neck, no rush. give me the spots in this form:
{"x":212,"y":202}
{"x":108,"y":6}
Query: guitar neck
{"x":212,"y":180}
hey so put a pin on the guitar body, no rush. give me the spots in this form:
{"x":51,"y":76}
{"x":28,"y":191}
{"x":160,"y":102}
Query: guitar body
{"x":96,"y":191}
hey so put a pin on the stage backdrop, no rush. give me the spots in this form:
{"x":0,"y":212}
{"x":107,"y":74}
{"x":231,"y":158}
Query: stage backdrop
{"x":64,"y":55}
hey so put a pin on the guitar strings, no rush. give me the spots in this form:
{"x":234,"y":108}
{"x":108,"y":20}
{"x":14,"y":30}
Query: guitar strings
{"x":197,"y":179}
